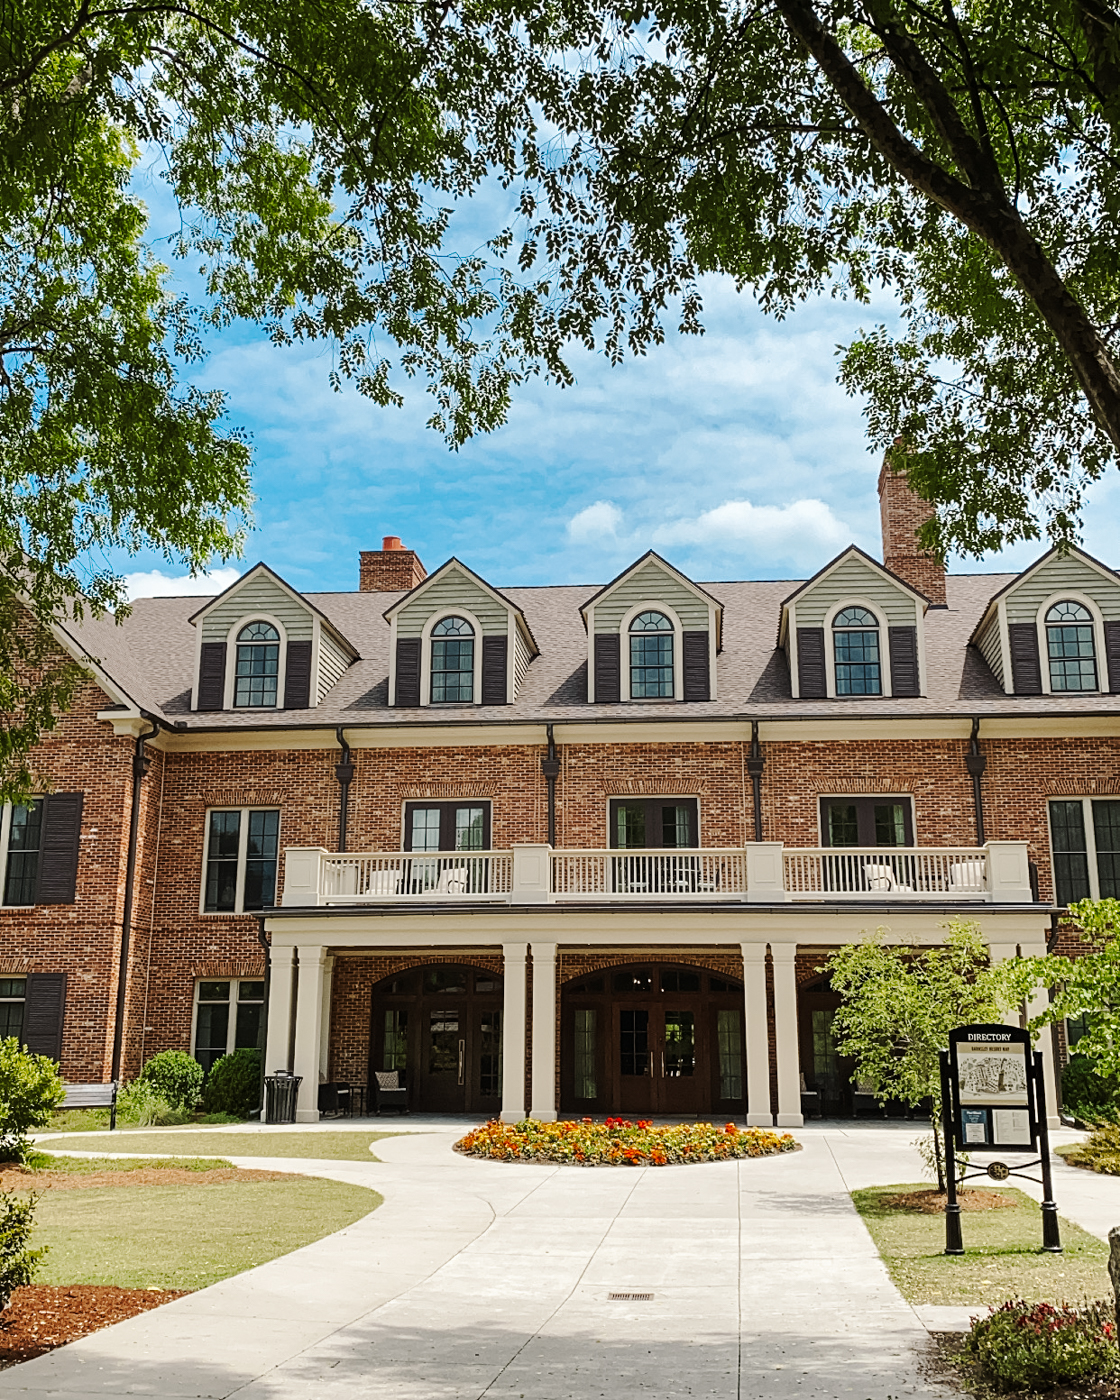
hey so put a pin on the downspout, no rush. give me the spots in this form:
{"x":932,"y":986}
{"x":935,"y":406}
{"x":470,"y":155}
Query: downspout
{"x":976,"y":762}
{"x":755,"y":765}
{"x":550,"y":767}
{"x":344,"y":772}
{"x":262,"y":1034}
{"x":139,"y":768}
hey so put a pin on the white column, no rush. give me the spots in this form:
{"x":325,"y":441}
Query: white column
{"x":1045,"y":1039}
{"x":785,"y":1034}
{"x":278,"y":1040}
{"x":758,"y":1036}
{"x":513,"y":1032}
{"x":544,"y":1033}
{"x":325,"y":1020}
{"x":309,"y":1023}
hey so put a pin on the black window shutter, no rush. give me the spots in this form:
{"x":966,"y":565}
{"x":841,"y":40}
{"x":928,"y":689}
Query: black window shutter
{"x":697,"y":678}
{"x":1026,"y":672}
{"x":43,"y":1012}
{"x":297,"y":676}
{"x":811,"y":681}
{"x":1112,"y":654}
{"x":212,"y":676}
{"x":494,"y":652}
{"x":607,"y":666}
{"x":58,"y":849}
{"x":903,"y":644}
{"x":408,"y":671}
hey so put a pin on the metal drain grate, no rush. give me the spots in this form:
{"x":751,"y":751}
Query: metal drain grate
{"x":629,"y":1297}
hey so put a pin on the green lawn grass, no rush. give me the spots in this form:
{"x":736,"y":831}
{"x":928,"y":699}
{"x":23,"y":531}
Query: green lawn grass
{"x":339,"y":1146}
{"x":186,"y":1236}
{"x":89,"y":1166}
{"x":1002,"y":1259}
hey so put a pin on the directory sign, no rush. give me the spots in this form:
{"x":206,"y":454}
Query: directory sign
{"x":992,"y":1084}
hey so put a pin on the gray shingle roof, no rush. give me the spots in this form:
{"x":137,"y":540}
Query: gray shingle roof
{"x":151,"y":656}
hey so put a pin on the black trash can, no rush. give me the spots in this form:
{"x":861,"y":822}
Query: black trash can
{"x":280,"y":1091}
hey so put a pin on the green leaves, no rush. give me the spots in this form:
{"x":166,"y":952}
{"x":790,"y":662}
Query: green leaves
{"x":1089,"y":984}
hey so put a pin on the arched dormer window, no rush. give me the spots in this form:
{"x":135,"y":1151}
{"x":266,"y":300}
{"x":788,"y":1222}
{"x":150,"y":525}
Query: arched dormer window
{"x":258,"y":666}
{"x":859,"y":669}
{"x":452,"y":662}
{"x":651,"y":657}
{"x":1070,"y":650}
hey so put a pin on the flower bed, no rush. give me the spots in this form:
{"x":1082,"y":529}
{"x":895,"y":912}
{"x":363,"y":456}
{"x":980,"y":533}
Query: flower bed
{"x":1032,"y":1346}
{"x":620,"y":1143}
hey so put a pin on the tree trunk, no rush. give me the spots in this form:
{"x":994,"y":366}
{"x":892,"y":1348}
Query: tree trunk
{"x":938,"y":1156}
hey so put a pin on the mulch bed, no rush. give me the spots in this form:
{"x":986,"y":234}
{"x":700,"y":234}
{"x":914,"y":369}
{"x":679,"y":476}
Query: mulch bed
{"x":932,"y":1202}
{"x":25,"y":1179}
{"x":40,"y":1318}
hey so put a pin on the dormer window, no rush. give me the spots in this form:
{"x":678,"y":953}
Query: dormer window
{"x":855,"y":634}
{"x":452,"y":662}
{"x":1069,"y":647}
{"x":258,"y":666}
{"x":651,"y":657}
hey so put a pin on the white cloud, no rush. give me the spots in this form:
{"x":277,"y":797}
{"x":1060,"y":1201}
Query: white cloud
{"x":595,"y":522}
{"x":155,"y":584}
{"x":803,"y":527}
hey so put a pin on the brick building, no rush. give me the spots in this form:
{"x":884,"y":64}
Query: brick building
{"x":567,"y":849}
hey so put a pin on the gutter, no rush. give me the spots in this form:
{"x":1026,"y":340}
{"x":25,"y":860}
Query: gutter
{"x":140,"y":763}
{"x":726,"y":906}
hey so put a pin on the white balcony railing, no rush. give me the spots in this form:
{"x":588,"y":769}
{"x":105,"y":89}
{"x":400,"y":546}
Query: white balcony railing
{"x":644,"y":874}
{"x":763,"y":872}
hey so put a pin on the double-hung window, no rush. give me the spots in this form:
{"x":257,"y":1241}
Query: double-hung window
{"x":452,"y":662}
{"x":13,"y":994}
{"x":1085,"y":840}
{"x":855,"y":633}
{"x":242,"y":845}
{"x":1070,"y":652}
{"x":258,"y":666}
{"x":651,"y":657}
{"x":23,"y":831}
{"x":227,"y":1017}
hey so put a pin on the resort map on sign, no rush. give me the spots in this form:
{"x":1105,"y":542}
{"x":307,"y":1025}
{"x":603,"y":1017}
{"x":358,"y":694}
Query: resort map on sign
{"x":992,"y":1073}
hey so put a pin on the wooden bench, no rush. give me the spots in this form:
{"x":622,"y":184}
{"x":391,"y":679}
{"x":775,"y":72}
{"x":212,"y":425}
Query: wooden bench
{"x":92,"y":1096}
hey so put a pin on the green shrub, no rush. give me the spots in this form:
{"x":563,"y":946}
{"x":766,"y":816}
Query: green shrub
{"x":1086,"y":1093}
{"x":234,"y":1084}
{"x":1100,"y":1153}
{"x":17,"y":1262}
{"x":176,"y":1077}
{"x":30,"y":1091}
{"x":140,"y":1105}
{"x":1033,"y":1346}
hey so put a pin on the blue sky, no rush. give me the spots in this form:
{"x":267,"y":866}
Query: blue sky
{"x":736,"y":455}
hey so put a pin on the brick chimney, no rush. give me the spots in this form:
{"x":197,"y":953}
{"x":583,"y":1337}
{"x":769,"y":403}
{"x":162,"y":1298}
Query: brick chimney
{"x":390,"y":569}
{"x":902,"y":511}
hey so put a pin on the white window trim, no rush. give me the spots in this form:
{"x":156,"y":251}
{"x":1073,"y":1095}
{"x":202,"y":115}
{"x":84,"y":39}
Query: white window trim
{"x":1098,"y":642}
{"x":886,"y":688}
{"x":231,"y":1029}
{"x":5,"y":835}
{"x":242,"y":854}
{"x":1090,"y":837}
{"x":426,"y":658}
{"x":678,"y":655}
{"x":656,"y":797}
{"x":231,"y":663}
{"x":864,"y":797}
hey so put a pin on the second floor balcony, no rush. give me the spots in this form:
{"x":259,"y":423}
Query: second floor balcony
{"x":758,"y":873}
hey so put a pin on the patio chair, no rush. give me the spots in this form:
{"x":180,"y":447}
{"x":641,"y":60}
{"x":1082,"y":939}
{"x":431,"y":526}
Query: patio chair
{"x":881,"y":878}
{"x":388,"y":1091}
{"x":966,"y":875}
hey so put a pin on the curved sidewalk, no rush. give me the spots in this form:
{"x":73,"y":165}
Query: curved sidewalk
{"x":479,"y":1279}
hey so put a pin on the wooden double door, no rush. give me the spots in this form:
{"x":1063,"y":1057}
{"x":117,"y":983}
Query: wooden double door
{"x":653,"y":1039}
{"x":440,"y":1027}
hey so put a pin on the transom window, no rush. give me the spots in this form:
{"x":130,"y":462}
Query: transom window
{"x":1085,"y":839}
{"x":227,"y":1018}
{"x":21,"y":863}
{"x":241,"y":851}
{"x":651,"y":657}
{"x":856,"y":640}
{"x":452,"y":662}
{"x":1070,"y":650}
{"x":258,"y":666}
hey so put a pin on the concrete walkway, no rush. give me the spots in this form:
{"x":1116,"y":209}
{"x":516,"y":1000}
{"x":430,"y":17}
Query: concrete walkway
{"x":479,"y":1279}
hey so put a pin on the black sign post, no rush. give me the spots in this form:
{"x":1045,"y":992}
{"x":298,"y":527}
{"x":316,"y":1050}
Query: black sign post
{"x":993,"y":1095}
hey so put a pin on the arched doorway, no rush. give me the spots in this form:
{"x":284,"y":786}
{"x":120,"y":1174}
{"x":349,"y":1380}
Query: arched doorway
{"x":440,"y":1027}
{"x":650,"y":1038}
{"x":826,"y":1073}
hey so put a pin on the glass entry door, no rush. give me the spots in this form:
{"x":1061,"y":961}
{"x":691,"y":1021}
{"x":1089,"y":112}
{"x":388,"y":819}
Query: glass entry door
{"x":661,"y":1060}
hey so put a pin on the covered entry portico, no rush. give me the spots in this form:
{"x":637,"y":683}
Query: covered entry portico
{"x":534,"y":953}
